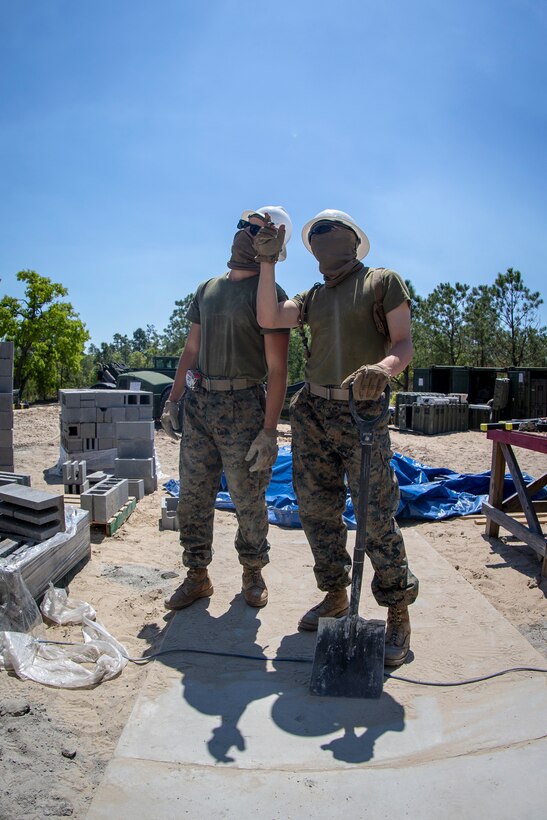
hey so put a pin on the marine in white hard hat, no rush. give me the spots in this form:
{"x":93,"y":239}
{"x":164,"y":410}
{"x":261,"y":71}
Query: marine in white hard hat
{"x":338,"y":218}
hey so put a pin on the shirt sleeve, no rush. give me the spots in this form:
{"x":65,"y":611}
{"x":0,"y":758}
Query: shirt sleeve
{"x":193,"y":313}
{"x":395,"y":291}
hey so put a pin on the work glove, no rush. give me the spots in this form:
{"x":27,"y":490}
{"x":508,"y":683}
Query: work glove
{"x":264,"y":447}
{"x":170,"y":419}
{"x":268,"y":243}
{"x":368,"y":382}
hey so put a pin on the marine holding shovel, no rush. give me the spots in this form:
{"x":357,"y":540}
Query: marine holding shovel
{"x":359,"y":321}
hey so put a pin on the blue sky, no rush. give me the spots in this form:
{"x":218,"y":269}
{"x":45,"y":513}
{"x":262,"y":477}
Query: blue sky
{"x":134,"y":132}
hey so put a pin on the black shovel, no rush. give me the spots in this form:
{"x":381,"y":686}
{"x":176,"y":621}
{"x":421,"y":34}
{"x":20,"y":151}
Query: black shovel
{"x":349,"y":655}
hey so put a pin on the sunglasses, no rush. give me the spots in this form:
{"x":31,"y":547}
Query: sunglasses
{"x":253,"y":229}
{"x":325,"y":227}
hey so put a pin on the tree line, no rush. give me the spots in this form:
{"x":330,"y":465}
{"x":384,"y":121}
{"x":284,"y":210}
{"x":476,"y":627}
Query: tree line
{"x":480,"y":326}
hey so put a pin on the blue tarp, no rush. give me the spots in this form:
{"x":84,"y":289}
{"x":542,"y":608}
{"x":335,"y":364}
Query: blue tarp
{"x":429,"y":493}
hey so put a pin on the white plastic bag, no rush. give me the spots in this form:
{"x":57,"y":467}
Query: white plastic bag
{"x":57,"y":607}
{"x":62,"y":666}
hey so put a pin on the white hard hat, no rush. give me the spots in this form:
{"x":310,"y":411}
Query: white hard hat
{"x":279,"y":216}
{"x":342,"y":218}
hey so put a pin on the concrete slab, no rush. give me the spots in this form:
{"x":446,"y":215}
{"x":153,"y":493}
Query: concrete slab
{"x":235,"y":737}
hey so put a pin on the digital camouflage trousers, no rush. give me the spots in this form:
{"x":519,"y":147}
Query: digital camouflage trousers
{"x":218,"y":430}
{"x":325,"y":450}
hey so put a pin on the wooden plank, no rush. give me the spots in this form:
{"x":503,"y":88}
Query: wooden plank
{"x":117,"y":521}
{"x":495,"y":492}
{"x":512,"y":502}
{"x":530,"y":441}
{"x":534,"y":540}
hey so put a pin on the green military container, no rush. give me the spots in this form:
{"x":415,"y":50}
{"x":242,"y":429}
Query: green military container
{"x":528,"y":392}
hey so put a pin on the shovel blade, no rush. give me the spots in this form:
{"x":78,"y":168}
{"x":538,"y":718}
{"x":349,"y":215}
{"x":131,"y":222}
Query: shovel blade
{"x":349,"y":658}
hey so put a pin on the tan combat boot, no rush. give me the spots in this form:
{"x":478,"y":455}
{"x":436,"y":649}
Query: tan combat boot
{"x":197,"y":584}
{"x":254,"y":587}
{"x":333,"y":605}
{"x":397,"y":635}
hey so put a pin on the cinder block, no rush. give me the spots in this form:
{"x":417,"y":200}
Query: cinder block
{"x":77,"y":489}
{"x":6,"y":419}
{"x":71,"y":430}
{"x":169,"y":517}
{"x":6,"y":402}
{"x":36,"y":532}
{"x":117,"y":414}
{"x":6,"y":457}
{"x":97,"y":476}
{"x":6,"y":350}
{"x":105,"y":430}
{"x":146,"y":398}
{"x":89,"y":445}
{"x":88,"y":430}
{"x":145,"y":412}
{"x":71,"y":445}
{"x":104,"y":499}
{"x":135,"y":430}
{"x":6,"y":369}
{"x":136,"y":488}
{"x":6,"y":384}
{"x":150,"y":485}
{"x":6,"y":438}
{"x":106,"y":444}
{"x":134,"y":468}
{"x":69,"y":398}
{"x":135,"y":448}
{"x":132,"y":413}
{"x":88,"y":403}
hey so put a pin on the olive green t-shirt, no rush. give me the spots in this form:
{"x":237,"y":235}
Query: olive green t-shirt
{"x":343,"y":332}
{"x":232,"y":341}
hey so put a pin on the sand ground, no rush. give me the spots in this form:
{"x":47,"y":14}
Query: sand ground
{"x":55,"y":744}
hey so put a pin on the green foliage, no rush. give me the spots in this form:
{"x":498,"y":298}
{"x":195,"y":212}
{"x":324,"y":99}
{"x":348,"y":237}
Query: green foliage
{"x":517,"y":309}
{"x":297,"y":357}
{"x":48,"y":335}
{"x":175,"y":334}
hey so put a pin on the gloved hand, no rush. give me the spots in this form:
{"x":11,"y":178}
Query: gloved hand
{"x":368,"y":382}
{"x":264,"y":447}
{"x":170,"y":419}
{"x":268,"y":243}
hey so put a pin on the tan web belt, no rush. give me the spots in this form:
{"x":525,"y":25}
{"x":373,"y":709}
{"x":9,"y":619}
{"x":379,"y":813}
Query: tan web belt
{"x":226,"y":384}
{"x":336,"y":393}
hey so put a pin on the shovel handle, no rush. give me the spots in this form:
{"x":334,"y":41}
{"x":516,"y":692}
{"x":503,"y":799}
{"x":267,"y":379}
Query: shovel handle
{"x":366,"y":426}
{"x":366,"y":431}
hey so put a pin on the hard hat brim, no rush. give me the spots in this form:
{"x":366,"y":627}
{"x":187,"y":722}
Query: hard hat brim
{"x":246,"y":215}
{"x":362,"y":248}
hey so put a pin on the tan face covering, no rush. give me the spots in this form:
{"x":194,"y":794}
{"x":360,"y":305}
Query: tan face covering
{"x":243,"y":252}
{"x":335,"y":251}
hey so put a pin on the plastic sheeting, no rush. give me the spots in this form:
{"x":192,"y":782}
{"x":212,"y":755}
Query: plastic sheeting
{"x":427,"y":493}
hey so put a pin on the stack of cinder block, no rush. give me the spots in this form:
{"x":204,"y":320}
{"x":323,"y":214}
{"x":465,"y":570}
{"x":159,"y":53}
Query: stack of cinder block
{"x":34,"y":514}
{"x":104,"y":499}
{"x":75,"y":477}
{"x":6,"y":406}
{"x":135,"y":444}
{"x":88,"y":417}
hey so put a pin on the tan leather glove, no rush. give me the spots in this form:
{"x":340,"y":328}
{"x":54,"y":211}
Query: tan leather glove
{"x":170,"y":419}
{"x":264,"y":447}
{"x":268,"y":243}
{"x":368,"y":382}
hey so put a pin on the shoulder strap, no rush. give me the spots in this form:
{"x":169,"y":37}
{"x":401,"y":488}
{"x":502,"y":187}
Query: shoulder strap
{"x":303,"y":318}
{"x":378,"y":312}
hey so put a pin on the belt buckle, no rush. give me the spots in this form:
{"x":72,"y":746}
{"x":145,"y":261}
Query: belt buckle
{"x":194,"y":379}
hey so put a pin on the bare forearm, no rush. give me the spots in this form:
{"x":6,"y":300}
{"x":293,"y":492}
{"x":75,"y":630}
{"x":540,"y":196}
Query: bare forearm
{"x":269,"y":312}
{"x":398,"y":357}
{"x":275,"y":396}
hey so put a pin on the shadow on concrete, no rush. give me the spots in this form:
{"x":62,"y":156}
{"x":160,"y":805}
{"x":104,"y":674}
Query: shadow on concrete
{"x":225,"y":686}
